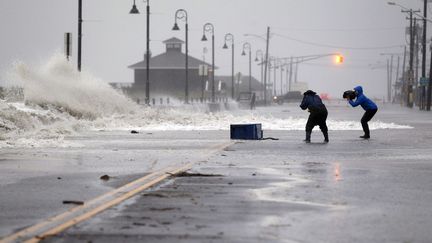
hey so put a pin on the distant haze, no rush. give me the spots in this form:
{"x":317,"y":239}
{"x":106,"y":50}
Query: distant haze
{"x":32,"y":31}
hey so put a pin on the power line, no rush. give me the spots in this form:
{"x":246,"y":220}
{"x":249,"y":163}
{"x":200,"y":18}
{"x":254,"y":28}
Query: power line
{"x":343,"y":29}
{"x":339,"y":47}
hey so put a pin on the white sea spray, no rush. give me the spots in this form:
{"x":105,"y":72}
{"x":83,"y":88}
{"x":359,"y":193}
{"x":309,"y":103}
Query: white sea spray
{"x":60,"y":101}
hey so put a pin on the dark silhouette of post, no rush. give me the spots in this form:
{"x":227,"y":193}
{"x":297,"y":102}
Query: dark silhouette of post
{"x":429,"y":90}
{"x":404,"y":79}
{"x":207,"y":28}
{"x":182,"y":14}
{"x":411,"y":62}
{"x":266,"y":64}
{"x":230,"y":37}
{"x":281,"y":78}
{"x":134,"y":10}
{"x":423,"y":87}
{"x":80,"y":20}
{"x":247,"y":46}
{"x":148,"y":54}
{"x":410,"y":82}
{"x":261,"y":63}
{"x":291,"y":73}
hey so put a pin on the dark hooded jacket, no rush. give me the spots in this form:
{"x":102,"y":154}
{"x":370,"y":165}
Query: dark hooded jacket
{"x":362,"y":100}
{"x":312,"y":102}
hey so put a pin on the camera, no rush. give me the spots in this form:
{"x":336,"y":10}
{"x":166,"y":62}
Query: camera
{"x":350,"y":94}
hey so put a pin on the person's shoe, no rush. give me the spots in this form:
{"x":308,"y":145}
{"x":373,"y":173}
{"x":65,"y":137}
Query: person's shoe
{"x":365,"y":137}
{"x":308,"y":137}
{"x":326,"y":138}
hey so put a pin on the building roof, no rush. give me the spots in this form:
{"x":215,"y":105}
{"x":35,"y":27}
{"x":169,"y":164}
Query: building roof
{"x":244,"y":83}
{"x":173,"y":40}
{"x":173,"y":58}
{"x":170,"y":60}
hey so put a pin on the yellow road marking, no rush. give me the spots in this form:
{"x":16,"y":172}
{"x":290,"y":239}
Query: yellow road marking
{"x":125,"y":192}
{"x":72,"y":210}
{"x":102,"y":207}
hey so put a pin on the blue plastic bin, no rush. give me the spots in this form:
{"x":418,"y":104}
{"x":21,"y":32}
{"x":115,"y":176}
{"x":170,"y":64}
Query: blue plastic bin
{"x":246,"y":131}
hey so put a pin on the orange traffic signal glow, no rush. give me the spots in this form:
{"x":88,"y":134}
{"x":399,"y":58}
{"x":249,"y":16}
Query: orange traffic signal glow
{"x":339,"y":59}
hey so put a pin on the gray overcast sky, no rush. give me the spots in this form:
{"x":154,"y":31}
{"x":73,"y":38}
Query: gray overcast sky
{"x":113,"y":39}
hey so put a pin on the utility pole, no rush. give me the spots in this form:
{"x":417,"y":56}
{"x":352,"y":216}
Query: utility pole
{"x":409,"y":97}
{"x":423,"y":87}
{"x":80,"y":20}
{"x":389,"y":85}
{"x":275,"y":77}
{"x":266,"y":65}
{"x":429,"y":90}
{"x":287,"y":88}
{"x":397,"y":77}
{"x":281,"y":79}
{"x":416,"y":93}
{"x":291,"y":73}
{"x":404,"y":77}
{"x":388,"y":78}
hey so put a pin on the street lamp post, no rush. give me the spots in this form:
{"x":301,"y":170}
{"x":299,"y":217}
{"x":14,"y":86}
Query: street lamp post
{"x":270,"y":67}
{"x":80,"y":20}
{"x":281,"y":78}
{"x":208,"y":27}
{"x":267,"y":40}
{"x":134,"y":10}
{"x":247,"y":46}
{"x":230,"y":37}
{"x":429,"y":89}
{"x":202,"y":81}
{"x":277,"y":66}
{"x":182,"y":14}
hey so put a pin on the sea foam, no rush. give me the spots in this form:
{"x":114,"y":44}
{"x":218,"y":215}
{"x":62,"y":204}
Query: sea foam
{"x":60,"y":101}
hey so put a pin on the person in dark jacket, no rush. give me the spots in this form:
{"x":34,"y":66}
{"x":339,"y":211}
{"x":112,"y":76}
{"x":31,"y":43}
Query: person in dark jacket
{"x":368,"y":105}
{"x":318,"y":114}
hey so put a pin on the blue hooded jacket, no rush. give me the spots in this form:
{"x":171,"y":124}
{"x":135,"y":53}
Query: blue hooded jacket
{"x":362,"y":100}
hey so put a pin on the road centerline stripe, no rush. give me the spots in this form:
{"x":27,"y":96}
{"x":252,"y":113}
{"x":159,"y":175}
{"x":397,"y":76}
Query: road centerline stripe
{"x":92,"y":207}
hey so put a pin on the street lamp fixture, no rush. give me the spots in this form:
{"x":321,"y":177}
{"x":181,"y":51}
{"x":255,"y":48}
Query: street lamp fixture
{"x":181,"y":14}
{"x":175,"y":26}
{"x":134,"y":10}
{"x":230,"y":38}
{"x":208,"y":27}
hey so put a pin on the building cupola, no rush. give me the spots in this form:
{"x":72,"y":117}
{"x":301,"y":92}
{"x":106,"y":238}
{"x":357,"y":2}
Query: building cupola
{"x":173,"y":44}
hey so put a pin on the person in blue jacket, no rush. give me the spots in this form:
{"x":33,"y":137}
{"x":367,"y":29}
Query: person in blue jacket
{"x":318,"y":114}
{"x":368,"y":105}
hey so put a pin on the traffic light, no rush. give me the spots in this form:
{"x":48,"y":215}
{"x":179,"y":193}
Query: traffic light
{"x":339,"y":59}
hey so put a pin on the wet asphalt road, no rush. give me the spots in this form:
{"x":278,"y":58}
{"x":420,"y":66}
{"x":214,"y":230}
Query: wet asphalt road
{"x":349,"y":190}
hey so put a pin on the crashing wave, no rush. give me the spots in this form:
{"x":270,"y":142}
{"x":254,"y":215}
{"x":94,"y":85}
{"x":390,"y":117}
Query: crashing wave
{"x":60,"y":101}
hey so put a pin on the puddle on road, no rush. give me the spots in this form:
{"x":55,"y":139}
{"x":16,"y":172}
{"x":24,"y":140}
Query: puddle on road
{"x":282,"y":191}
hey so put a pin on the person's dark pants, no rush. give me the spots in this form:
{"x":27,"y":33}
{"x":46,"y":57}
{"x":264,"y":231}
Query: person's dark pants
{"x":317,"y":118}
{"x":365,"y":119}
